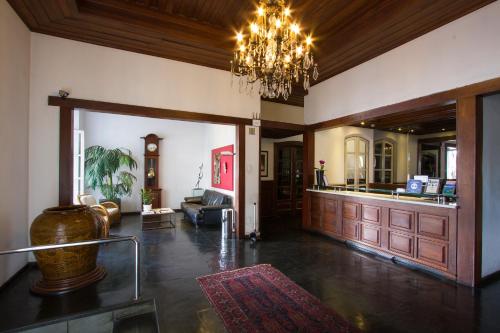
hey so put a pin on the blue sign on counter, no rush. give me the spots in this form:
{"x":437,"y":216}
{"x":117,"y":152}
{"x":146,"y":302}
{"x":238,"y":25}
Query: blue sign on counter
{"x":414,"y":186}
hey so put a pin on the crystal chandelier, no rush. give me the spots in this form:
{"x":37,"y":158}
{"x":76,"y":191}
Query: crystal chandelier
{"x":274,"y":54}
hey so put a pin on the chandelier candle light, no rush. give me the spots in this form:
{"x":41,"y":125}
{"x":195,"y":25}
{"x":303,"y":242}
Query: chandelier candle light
{"x":274,"y":54}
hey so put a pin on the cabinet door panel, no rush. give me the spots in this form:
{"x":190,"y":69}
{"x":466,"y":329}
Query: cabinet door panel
{"x":370,"y":214}
{"x":401,"y":220}
{"x":330,"y":215}
{"x":370,"y":234}
{"x":316,"y":208}
{"x":433,"y":226}
{"x":432,"y":252}
{"x":401,"y":243}
{"x":350,"y":229}
{"x":350,"y":211}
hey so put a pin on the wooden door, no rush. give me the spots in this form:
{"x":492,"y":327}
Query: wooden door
{"x":288,"y":165}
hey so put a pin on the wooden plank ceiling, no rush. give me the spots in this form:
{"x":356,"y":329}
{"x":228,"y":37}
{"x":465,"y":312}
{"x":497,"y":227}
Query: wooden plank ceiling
{"x":347,"y":32}
{"x":431,"y":120}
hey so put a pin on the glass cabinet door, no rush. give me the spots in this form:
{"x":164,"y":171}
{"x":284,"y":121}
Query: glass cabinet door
{"x":384,"y":161}
{"x":356,"y":161}
{"x":284,"y":173}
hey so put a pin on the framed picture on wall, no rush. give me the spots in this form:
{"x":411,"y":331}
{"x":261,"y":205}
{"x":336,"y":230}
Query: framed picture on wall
{"x":264,"y":163}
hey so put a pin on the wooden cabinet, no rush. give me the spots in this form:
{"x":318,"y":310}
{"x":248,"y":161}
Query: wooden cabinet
{"x":330,"y":216}
{"x":370,"y":234}
{"x":432,"y":252}
{"x":350,"y":229}
{"x":425,"y":235}
{"x":402,"y":244}
{"x":434,"y":226}
{"x":323,"y":215}
{"x":402,"y":220}
{"x":350,"y":210}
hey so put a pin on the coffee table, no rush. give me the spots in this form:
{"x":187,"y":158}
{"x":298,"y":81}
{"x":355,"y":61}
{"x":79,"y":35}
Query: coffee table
{"x":159,"y":218}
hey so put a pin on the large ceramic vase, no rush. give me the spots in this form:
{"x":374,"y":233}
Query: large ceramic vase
{"x":69,"y":268}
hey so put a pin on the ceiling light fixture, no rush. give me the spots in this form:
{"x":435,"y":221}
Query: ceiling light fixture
{"x":275,"y":54}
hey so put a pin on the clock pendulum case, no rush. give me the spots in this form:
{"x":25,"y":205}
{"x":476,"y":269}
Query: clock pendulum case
{"x":151,"y":167}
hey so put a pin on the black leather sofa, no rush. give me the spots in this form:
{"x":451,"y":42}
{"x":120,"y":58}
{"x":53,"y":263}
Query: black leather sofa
{"x":207,"y":209}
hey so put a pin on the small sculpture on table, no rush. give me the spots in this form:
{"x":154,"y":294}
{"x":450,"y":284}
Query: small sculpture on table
{"x":197,"y":191}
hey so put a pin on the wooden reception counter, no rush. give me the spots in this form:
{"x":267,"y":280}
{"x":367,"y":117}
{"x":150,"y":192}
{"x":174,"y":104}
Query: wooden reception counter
{"x":414,"y":230}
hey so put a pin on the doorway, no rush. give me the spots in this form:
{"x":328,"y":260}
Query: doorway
{"x":281,"y":178}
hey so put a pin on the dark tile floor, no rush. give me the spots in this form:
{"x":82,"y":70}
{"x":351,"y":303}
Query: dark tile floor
{"x":375,"y":294}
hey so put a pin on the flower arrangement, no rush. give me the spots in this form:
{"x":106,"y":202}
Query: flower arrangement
{"x":322,"y":164}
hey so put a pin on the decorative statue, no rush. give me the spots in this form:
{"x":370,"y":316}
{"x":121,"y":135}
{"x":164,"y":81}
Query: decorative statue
{"x":200,"y":176}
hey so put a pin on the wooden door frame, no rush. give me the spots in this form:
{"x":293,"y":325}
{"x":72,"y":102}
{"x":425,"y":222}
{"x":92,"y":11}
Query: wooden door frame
{"x":469,"y":145}
{"x":66,"y":120}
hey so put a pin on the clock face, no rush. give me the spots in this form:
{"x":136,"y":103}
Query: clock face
{"x":151,"y":147}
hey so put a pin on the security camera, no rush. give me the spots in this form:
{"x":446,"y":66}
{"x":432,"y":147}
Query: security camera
{"x":63,"y":93}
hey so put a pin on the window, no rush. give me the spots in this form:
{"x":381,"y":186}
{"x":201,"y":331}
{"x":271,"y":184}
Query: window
{"x":356,"y":161}
{"x":78,"y":164}
{"x":384,"y":161}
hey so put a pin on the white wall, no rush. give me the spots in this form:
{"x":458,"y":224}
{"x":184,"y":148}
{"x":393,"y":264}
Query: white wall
{"x":282,"y":112}
{"x":100,"y":73}
{"x":462,"y":52}
{"x":491,"y":185}
{"x":14,"y":108}
{"x":185,"y":146}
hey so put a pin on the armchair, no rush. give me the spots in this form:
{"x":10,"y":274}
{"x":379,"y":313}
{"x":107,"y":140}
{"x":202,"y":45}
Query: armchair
{"x":108,"y":210}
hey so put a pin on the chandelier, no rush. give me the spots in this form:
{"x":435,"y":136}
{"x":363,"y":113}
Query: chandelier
{"x":275,"y":54}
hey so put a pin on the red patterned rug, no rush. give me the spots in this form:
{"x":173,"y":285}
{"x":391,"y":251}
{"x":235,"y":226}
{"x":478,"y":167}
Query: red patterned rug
{"x":262,"y":299}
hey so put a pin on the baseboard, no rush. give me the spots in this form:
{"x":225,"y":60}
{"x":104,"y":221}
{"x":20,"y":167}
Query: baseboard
{"x":16,"y":275}
{"x":130,"y":213}
{"x":490,"y":278}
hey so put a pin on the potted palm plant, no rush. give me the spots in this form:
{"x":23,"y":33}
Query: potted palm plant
{"x":147,"y":200}
{"x":104,"y":169}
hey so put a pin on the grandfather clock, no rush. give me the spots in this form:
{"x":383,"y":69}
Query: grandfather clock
{"x":151,"y":167}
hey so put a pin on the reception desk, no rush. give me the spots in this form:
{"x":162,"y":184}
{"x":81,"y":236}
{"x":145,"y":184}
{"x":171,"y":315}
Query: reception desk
{"x":417,"y":231}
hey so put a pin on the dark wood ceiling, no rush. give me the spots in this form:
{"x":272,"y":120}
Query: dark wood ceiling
{"x":347,"y":32}
{"x":431,"y":120}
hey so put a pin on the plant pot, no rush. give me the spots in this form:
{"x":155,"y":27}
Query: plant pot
{"x":147,"y":208}
{"x":320,"y":180}
{"x":66,"y":269}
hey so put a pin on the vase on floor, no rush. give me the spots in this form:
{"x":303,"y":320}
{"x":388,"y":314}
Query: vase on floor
{"x":66,"y":269}
{"x":320,"y":178}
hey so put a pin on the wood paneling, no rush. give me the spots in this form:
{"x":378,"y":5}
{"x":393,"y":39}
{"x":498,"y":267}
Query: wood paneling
{"x":396,"y":233}
{"x":370,"y":214}
{"x":144,"y":111}
{"x":330,"y":216}
{"x":370,"y":234}
{"x":240,"y":180}
{"x":347,"y":33}
{"x":435,"y":253}
{"x":433,"y":226}
{"x":425,"y":121}
{"x":350,"y":229}
{"x":350,"y":211}
{"x":267,"y":198}
{"x":402,"y":220}
{"x":66,"y":156}
{"x":469,"y":142}
{"x":402,"y":244}
{"x":308,"y":175}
